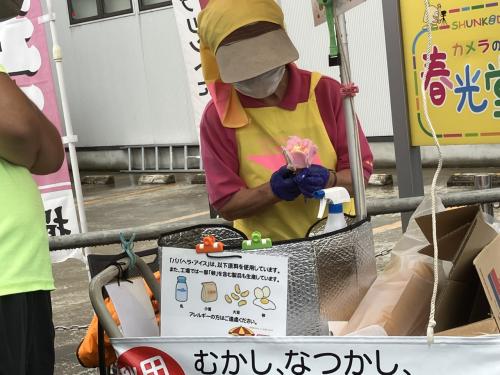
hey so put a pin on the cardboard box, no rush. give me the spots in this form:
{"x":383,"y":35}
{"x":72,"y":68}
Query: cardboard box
{"x":488,"y":267}
{"x":462,"y":234}
{"x":483,"y":327}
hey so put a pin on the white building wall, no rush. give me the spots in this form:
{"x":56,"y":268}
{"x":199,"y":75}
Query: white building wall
{"x":126,"y":79}
{"x":127,"y":84}
{"x":365,"y":25}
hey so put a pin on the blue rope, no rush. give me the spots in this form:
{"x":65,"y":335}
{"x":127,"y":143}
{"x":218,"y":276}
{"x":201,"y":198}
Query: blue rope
{"x":128,"y":248}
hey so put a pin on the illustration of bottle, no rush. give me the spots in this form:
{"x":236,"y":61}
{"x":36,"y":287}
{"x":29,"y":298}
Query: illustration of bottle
{"x":181,"y":289}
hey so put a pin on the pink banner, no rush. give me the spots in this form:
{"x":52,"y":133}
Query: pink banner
{"x":27,"y":59}
{"x":24,"y":54}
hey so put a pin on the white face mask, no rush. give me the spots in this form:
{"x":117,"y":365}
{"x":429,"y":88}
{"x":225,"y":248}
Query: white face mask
{"x":263,"y":85}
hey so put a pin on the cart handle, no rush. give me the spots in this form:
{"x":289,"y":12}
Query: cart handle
{"x":105,"y":277}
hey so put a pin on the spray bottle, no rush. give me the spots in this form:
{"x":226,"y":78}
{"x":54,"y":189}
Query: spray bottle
{"x":334,"y":197}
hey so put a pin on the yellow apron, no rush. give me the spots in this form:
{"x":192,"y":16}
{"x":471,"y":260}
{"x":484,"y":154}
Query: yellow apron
{"x":260,"y":155}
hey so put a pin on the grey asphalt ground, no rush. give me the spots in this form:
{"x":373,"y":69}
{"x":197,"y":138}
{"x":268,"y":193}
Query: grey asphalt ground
{"x":126,"y":204}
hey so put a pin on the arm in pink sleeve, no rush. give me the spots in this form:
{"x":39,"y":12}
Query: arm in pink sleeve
{"x":220,"y":158}
{"x":331,"y":108}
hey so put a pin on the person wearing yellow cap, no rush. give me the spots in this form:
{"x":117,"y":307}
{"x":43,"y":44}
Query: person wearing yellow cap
{"x":260,"y":98}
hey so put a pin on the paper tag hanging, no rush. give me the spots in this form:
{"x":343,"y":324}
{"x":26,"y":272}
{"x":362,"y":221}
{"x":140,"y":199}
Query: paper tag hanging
{"x":342,"y":6}
{"x":319,"y":13}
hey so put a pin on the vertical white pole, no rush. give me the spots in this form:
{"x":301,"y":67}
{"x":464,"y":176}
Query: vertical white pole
{"x":356,"y":164}
{"x":70,"y":138}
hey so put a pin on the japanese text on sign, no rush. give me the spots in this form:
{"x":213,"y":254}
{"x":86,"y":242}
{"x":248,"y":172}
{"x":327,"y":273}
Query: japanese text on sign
{"x":463,"y":80}
{"x":296,"y":363}
{"x":238,"y":294}
{"x":186,"y":13}
{"x":312,"y":355}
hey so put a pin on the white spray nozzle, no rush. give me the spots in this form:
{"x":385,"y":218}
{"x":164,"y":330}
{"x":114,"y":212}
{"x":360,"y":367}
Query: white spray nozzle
{"x":335,"y":195}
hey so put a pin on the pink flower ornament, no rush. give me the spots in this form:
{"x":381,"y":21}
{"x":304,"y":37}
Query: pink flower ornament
{"x":299,"y":152}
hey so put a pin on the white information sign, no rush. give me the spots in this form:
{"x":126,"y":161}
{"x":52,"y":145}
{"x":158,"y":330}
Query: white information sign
{"x":309,"y":356}
{"x":238,"y":294}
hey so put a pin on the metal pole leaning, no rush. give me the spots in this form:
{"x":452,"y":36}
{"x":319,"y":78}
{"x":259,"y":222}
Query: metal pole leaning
{"x":104,"y":278}
{"x":355,"y":162}
{"x":109,"y":237}
{"x":375,"y":207}
{"x":97,"y":299}
{"x":70,"y":139}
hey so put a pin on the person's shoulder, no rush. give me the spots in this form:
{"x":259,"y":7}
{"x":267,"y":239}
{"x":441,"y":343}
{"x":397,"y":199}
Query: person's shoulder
{"x":5,"y":164}
{"x":328,"y":89}
{"x":211,"y":124}
{"x":10,"y":173}
{"x":326,"y":79}
{"x":325,"y":83}
{"x":302,"y":72}
{"x":304,"y":75}
{"x":210,"y":110}
{"x":329,"y":83}
{"x":210,"y":118}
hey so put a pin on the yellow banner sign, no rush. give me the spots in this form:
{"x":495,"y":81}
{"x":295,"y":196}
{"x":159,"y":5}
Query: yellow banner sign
{"x":463,"y":83}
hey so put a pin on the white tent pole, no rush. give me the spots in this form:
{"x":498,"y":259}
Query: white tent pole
{"x":70,"y":138}
{"x":356,"y":163}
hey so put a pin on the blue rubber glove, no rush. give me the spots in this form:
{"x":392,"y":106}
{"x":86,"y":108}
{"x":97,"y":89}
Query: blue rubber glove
{"x":283,"y":185}
{"x":312,"y":179}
